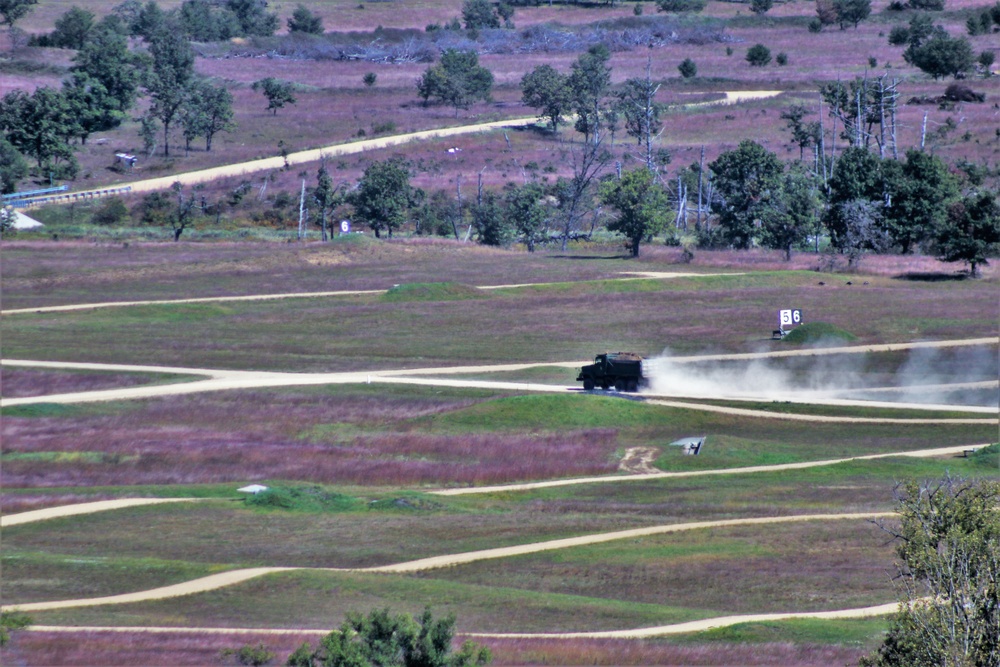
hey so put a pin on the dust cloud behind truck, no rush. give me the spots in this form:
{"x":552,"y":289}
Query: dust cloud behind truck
{"x":621,"y":370}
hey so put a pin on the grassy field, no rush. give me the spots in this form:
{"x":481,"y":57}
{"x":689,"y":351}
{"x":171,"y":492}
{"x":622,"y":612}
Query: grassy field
{"x":355,"y":466}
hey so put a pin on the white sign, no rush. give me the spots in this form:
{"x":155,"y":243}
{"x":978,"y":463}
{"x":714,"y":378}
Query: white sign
{"x":345,"y":226}
{"x":790,"y":317}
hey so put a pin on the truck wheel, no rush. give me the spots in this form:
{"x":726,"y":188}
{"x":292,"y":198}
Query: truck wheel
{"x":588,"y":384}
{"x":619,"y":385}
{"x":633,"y":386}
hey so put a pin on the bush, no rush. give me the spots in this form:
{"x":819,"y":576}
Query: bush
{"x":248,"y":654}
{"x":958,"y":92}
{"x":678,"y":6}
{"x":899,"y":35}
{"x":758,"y":55}
{"x":781,"y":59}
{"x":369,"y":79}
{"x":111,"y":212}
{"x":928,"y":5}
{"x":688,"y":69}
{"x":815,"y":25}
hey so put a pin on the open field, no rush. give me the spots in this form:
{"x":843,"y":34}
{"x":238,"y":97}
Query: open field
{"x":361,"y":461}
{"x":405,"y":396}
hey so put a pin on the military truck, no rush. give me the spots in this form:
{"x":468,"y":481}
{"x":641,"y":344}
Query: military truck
{"x":621,"y":370}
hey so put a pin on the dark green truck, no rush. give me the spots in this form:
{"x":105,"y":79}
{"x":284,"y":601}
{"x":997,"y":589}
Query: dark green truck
{"x":621,"y":370}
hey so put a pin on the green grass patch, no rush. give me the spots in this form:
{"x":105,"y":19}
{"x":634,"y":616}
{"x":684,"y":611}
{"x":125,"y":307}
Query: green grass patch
{"x":67,"y":457}
{"x":815,"y":332}
{"x":41,"y":410}
{"x":432,"y":292}
{"x":322,"y":599}
{"x":988,"y":457}
{"x":34,"y":576}
{"x":302,"y":499}
{"x":852,"y":632}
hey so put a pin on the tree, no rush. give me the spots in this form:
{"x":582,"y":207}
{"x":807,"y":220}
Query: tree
{"x":305,"y":21}
{"x":72,"y":28}
{"x":381,"y":639}
{"x":589,"y":82}
{"x":105,"y":58}
{"x":92,"y":108}
{"x":458,"y":80}
{"x":169,"y":78}
{"x":856,"y":177}
{"x":548,"y":91}
{"x":679,"y":6}
{"x":748,"y":184}
{"x":758,"y":55}
{"x":641,"y":111}
{"x":641,"y":203}
{"x":852,"y":11}
{"x":479,"y":14}
{"x":971,"y":231}
{"x":490,"y":221}
{"x":383,"y":196}
{"x":922,"y":191}
{"x":12,"y":167}
{"x":524,"y":211}
{"x":761,"y":7}
{"x":688,"y":68}
{"x":207,"y":111}
{"x":793,"y":214}
{"x":949,"y":568}
{"x":203,"y":21}
{"x":253,"y":17}
{"x":327,"y":198}
{"x":804,"y":134}
{"x":278,"y":93}
{"x":941,"y":56}
{"x":39,"y":126}
{"x":13,"y":11}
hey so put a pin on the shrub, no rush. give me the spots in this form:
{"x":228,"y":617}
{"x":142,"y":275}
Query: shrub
{"x":958,"y":92}
{"x":687,"y":68}
{"x":781,"y":59}
{"x":248,"y":654}
{"x":815,"y":25}
{"x":816,"y":331}
{"x":637,"y":9}
{"x":111,"y":212}
{"x":899,"y":35}
{"x":928,"y":5}
{"x":758,"y":55}
{"x":369,"y":79}
{"x":678,"y":6}
{"x":729,"y":50}
{"x":985,"y":60}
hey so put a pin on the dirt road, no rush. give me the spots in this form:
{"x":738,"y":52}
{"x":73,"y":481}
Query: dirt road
{"x":354,"y":147}
{"x":221,"y":379}
{"x":604,"y":479}
{"x":224,"y":579}
{"x":659,"y":275}
{"x":83,"y":508}
{"x":636,"y":633}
